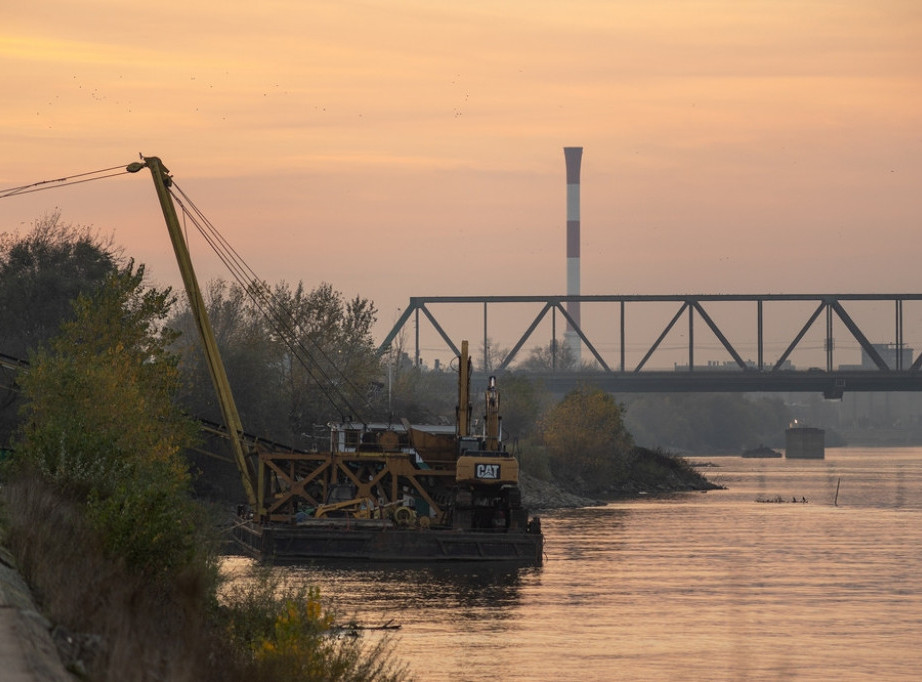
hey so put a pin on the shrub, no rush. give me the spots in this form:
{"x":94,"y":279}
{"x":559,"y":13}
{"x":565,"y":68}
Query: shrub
{"x":110,"y":621}
{"x":586,"y":439}
{"x":150,"y":522}
{"x":285,"y":632}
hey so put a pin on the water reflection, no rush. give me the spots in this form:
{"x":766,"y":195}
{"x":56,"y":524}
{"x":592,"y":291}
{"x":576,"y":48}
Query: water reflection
{"x":698,"y":587}
{"x":466,"y":590}
{"x":601,"y":526}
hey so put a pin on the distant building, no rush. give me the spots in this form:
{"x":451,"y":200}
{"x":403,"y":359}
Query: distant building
{"x":730,"y":366}
{"x":889,"y":353}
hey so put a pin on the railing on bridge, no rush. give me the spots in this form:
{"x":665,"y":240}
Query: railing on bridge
{"x":891,"y":365}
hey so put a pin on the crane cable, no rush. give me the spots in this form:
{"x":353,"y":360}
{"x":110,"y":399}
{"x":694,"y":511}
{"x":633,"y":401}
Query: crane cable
{"x":56,"y":183}
{"x":271,"y":306}
{"x":242,"y":273}
{"x":251,"y":285}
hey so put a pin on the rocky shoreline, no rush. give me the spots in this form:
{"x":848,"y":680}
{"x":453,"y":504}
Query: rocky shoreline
{"x":540,"y":494}
{"x":27,"y":649}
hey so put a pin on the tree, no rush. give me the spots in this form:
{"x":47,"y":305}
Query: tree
{"x":102,"y":426}
{"x":587,"y":442}
{"x":489,"y":358}
{"x":707,"y":422}
{"x":552,"y":357}
{"x":251,"y":355}
{"x":422,"y":395}
{"x":294,"y":358}
{"x":98,"y":467}
{"x":661,"y":420}
{"x":41,"y":274}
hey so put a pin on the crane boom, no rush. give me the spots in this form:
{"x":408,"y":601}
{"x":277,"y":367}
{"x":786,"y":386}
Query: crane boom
{"x":162,"y":182}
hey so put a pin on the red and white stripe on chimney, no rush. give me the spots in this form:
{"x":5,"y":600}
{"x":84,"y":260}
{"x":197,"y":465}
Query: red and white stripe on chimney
{"x":573,"y":157}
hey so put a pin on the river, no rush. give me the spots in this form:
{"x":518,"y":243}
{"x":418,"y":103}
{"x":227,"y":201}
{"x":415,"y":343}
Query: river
{"x":723,"y":585}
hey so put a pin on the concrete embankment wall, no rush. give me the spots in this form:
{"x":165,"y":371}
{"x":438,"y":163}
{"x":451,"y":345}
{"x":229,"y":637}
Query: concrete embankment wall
{"x":27,"y":652}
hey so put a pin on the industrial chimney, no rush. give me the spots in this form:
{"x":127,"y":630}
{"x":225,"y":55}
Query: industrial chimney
{"x":573,"y":157}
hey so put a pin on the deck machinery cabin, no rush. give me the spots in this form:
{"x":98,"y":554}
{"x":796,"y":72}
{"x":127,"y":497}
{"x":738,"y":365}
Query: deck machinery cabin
{"x":412,"y":474}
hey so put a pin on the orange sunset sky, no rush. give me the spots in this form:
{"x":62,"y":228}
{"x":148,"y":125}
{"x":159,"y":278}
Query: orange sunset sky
{"x":408,"y":148}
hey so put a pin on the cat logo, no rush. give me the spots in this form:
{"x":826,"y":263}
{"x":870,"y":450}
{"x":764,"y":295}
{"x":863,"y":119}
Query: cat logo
{"x":487,"y":471}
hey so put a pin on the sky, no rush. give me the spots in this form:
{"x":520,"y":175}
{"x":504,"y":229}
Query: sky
{"x":414,"y":148}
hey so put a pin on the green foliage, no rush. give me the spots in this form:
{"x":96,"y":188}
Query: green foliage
{"x":260,"y":630}
{"x":290,"y":635}
{"x":41,"y":274}
{"x":534,"y":460}
{"x":143,"y":629}
{"x":586,"y":439}
{"x":251,"y":356}
{"x":149,"y":521}
{"x":98,"y":512}
{"x":656,"y":470}
{"x":101,"y":423}
{"x":421,"y":395}
{"x":292,"y":365}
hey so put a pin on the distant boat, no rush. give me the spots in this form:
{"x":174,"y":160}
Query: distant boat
{"x":761,"y":451}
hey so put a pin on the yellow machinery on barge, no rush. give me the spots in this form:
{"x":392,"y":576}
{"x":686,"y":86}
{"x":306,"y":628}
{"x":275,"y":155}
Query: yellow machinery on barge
{"x":382,"y":492}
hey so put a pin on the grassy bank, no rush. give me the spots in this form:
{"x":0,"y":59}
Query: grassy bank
{"x":114,"y":622}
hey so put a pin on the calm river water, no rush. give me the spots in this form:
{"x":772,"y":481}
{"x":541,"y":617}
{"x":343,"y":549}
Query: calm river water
{"x":702,"y":586}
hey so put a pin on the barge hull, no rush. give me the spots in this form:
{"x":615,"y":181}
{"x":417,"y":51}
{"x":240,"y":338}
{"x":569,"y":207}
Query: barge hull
{"x":278,"y":543}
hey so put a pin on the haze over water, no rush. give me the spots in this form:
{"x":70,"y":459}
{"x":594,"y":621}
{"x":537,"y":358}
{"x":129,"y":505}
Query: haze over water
{"x":699,"y":586}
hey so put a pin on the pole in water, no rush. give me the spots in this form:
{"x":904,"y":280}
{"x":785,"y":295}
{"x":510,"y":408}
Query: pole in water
{"x":836,"y":502}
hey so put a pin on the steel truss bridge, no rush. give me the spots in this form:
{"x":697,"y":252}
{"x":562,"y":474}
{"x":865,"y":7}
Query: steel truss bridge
{"x":891,"y":367}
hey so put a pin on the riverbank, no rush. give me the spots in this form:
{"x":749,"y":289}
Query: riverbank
{"x":27,"y":649}
{"x":652,"y":472}
{"x":31,"y":653}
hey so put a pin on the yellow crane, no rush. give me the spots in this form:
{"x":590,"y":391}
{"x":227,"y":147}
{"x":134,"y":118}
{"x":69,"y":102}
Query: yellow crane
{"x":162,"y":182}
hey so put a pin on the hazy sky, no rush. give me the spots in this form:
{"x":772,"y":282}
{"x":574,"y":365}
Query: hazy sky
{"x":412,"y":148}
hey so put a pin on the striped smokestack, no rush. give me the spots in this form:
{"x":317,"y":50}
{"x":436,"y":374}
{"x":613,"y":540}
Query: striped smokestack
{"x":573,"y":156}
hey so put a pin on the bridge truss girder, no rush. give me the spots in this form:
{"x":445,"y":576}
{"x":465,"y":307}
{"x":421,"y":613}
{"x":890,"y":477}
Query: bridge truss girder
{"x":759,"y":376}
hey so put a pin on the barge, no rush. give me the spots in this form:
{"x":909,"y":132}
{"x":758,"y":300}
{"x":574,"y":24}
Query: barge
{"x":385,"y":492}
{"x":379,"y":492}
